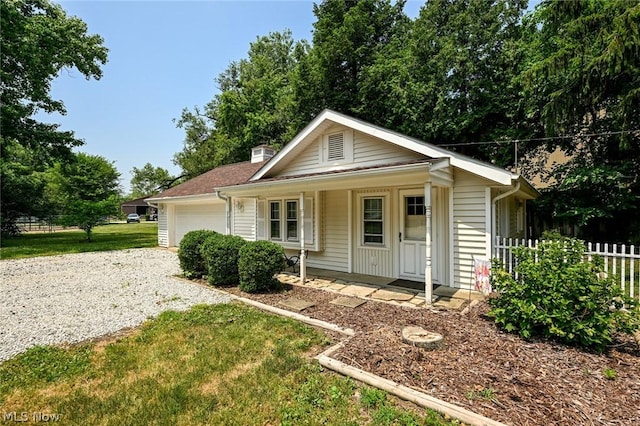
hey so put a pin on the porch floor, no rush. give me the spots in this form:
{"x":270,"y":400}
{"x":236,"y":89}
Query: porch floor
{"x":379,"y":288}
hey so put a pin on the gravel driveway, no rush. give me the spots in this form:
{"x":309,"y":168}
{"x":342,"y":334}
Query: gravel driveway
{"x":70,"y":298}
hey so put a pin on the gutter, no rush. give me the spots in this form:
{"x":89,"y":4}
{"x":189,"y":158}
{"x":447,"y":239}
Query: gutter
{"x":493,"y":210}
{"x":227,"y":208}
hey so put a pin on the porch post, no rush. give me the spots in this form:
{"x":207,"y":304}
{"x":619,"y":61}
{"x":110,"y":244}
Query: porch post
{"x":303,"y":260}
{"x":428,"y":284}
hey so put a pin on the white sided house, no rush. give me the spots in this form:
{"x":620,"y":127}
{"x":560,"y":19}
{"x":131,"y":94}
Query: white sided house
{"x":352,"y":197}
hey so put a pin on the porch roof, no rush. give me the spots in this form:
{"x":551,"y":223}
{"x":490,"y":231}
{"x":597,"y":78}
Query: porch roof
{"x":388,"y":174}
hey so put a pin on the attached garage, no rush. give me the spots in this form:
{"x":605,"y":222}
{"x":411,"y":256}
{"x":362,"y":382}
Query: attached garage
{"x":199,"y":216}
{"x":196,"y":203}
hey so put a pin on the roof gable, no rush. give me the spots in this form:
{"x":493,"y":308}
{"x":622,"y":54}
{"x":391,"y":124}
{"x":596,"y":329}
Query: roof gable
{"x":329,"y":118}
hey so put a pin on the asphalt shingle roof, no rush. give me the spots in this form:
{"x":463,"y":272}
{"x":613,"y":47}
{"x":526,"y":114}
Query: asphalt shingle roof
{"x":206,"y":183}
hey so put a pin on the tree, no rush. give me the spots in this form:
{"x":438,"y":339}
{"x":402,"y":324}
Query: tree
{"x":148,"y":180}
{"x":88,"y":187}
{"x":347,"y":36}
{"x":583,"y":79}
{"x":37,"y":41}
{"x":254,"y":106}
{"x":468,"y":58}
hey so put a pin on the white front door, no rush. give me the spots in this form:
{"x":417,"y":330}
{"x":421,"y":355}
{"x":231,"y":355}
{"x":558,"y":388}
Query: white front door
{"x":412,"y":235}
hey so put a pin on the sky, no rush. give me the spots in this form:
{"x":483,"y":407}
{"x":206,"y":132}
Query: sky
{"x":163,"y":56}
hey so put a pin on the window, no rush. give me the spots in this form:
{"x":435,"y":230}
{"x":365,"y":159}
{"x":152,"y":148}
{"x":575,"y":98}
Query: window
{"x":274,"y":220}
{"x":279,"y":220}
{"x":292,"y":220}
{"x":288,"y":222}
{"x":373,"y":221}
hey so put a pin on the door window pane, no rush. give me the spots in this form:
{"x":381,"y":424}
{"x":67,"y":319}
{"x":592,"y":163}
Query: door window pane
{"x":414,"y":218}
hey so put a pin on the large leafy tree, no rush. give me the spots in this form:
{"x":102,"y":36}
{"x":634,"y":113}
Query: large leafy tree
{"x":583,"y":79}
{"x":467,"y":57}
{"x":255,"y":105}
{"x":37,"y":41}
{"x":88,"y":190}
{"x":149,"y":180}
{"x":347,"y":37}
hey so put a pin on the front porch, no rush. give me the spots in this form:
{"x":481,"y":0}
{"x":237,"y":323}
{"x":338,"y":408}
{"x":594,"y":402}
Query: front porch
{"x":381,"y":289}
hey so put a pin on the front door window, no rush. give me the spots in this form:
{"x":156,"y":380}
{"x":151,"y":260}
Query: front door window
{"x":415,"y":221}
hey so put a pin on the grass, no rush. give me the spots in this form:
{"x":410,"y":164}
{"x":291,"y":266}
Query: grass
{"x":223,"y":364}
{"x":105,"y":237}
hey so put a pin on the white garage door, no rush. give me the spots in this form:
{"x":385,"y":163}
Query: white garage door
{"x":207,"y":216}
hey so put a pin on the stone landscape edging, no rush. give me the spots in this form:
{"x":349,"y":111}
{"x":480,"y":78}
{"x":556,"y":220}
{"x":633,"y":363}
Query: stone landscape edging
{"x":398,"y":390}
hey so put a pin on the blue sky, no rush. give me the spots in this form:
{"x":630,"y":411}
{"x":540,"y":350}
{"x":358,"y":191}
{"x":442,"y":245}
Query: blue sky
{"x":163,"y":57}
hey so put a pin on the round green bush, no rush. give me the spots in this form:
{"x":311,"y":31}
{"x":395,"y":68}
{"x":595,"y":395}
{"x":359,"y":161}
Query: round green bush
{"x":220,"y":254}
{"x":189,"y":255}
{"x":561,"y":295}
{"x":259,"y":262}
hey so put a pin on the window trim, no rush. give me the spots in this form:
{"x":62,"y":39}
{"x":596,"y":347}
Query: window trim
{"x":283,"y":220}
{"x":386,"y":219}
{"x":272,"y":220}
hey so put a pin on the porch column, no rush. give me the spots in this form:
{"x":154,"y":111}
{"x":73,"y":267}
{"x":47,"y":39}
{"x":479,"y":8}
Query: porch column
{"x":428,"y":284}
{"x":303,"y":260}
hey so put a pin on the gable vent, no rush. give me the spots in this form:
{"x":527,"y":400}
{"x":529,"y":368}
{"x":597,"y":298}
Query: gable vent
{"x":336,"y":147}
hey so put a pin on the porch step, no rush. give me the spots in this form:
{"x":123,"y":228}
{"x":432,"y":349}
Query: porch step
{"x":456,"y":293}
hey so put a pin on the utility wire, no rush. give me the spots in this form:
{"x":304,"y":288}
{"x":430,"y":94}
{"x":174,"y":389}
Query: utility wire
{"x":550,"y":138}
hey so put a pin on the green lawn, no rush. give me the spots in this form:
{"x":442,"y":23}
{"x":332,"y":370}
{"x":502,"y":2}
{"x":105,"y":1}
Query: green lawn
{"x":105,"y":237}
{"x":219,"y":365}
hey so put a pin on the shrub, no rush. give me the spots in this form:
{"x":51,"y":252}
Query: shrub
{"x":220,"y":254}
{"x":189,"y":255}
{"x":560,"y":295}
{"x":259,"y":262}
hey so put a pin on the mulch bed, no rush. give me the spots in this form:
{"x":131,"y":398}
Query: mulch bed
{"x":478,"y":367}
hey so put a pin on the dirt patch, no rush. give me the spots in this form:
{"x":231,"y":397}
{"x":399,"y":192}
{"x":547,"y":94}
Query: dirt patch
{"x":481,"y":368}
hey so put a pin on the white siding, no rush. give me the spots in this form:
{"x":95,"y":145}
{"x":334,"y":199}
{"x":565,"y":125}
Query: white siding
{"x":367,"y":151}
{"x":334,"y":227}
{"x":370,"y":151}
{"x":163,"y":226}
{"x":469,"y":227}
{"x":244,"y":218}
{"x":199,"y":216}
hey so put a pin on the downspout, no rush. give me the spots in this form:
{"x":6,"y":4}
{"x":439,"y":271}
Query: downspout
{"x":493,"y":211}
{"x":227,"y":208}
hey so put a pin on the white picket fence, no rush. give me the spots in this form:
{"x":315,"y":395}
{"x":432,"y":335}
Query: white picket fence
{"x":620,"y":260}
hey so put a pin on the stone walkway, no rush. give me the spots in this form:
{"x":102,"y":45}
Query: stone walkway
{"x":444,"y":297}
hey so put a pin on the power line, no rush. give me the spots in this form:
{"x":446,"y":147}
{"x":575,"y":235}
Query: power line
{"x":550,"y":138}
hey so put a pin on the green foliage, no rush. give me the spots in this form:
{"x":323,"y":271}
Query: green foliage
{"x":38,"y":41}
{"x":582,"y":77}
{"x":372,"y":397}
{"x":189,"y":254}
{"x":86,"y":189}
{"x":259,"y":262}
{"x":148,"y":180}
{"x":560,"y":295}
{"x":221,"y":255}
{"x":255,"y":106}
{"x":610,"y":373}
